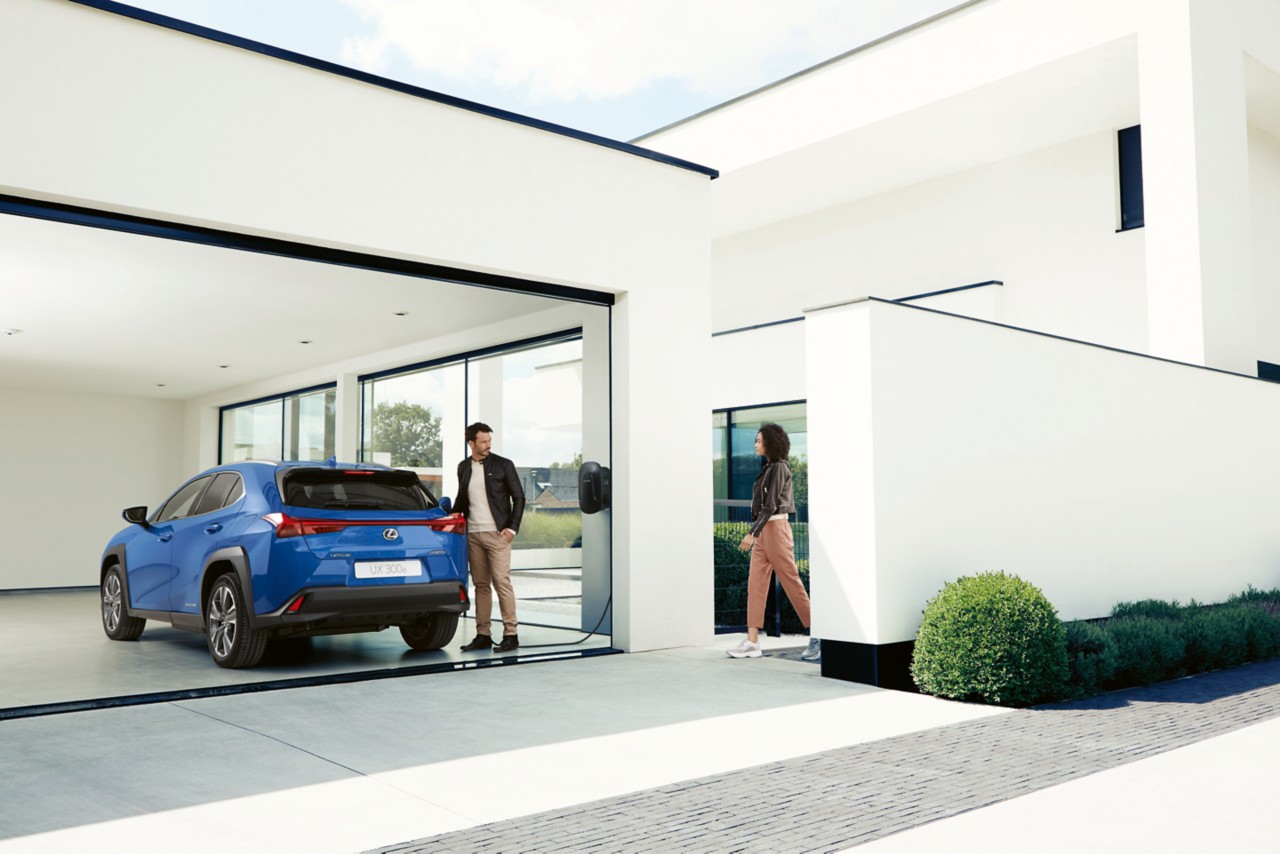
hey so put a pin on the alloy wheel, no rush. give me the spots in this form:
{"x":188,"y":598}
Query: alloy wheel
{"x":111,"y":602}
{"x":222,"y":621}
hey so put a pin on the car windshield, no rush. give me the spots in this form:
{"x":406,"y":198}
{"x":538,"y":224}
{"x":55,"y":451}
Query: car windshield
{"x":342,"y":489}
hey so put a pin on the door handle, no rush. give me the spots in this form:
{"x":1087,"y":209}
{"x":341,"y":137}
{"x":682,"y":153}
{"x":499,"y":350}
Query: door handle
{"x":213,"y":529}
{"x":164,"y":538}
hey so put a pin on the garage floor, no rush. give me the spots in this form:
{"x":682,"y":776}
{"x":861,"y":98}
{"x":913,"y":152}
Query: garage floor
{"x":53,"y":652}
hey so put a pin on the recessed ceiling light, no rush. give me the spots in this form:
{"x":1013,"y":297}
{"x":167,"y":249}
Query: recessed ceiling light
{"x":159,"y":385}
{"x":224,"y":366}
{"x":10,"y":331}
{"x":402,"y":314}
{"x":305,"y":341}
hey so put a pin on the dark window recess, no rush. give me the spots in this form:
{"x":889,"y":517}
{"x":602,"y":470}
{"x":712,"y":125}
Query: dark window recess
{"x":183,"y":503}
{"x":1130,"y":147}
{"x":220,"y":493}
{"x":364,"y":489}
{"x":1269,"y":371}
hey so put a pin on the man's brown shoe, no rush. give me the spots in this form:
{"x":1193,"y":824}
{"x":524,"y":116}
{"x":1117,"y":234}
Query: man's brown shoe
{"x":478,"y":642}
{"x":509,"y":643}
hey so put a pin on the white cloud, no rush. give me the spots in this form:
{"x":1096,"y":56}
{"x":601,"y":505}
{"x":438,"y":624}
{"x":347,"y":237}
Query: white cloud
{"x":565,"y":50}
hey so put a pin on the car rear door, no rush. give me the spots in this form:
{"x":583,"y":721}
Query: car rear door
{"x":206,"y":530}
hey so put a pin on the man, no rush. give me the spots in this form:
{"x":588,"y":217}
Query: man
{"x":492,"y":500}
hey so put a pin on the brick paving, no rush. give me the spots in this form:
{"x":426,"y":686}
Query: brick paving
{"x":841,"y":798}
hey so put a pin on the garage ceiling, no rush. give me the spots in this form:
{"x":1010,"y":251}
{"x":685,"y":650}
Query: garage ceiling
{"x":109,"y":312}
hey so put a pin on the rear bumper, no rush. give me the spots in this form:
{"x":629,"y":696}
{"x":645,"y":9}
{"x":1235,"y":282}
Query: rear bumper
{"x":354,"y":608}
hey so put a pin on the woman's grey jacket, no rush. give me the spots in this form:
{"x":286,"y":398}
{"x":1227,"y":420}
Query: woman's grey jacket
{"x":771,"y":495}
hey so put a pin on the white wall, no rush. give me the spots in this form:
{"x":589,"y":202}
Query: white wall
{"x":1264,"y":200}
{"x":941,"y":447}
{"x":72,"y":462}
{"x":1043,"y":223}
{"x":197,"y":132}
{"x":755,"y":366}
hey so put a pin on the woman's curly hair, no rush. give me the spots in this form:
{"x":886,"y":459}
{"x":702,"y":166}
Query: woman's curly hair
{"x":777,"y":446}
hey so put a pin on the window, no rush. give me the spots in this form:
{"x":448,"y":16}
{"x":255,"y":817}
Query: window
{"x":735,"y":464}
{"x":225,"y":490}
{"x":1129,"y":145}
{"x":405,"y":419}
{"x":335,"y":489}
{"x":295,"y":426}
{"x":183,"y":501}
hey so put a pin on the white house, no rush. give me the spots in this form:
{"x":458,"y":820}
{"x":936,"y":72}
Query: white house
{"x":1090,"y":418}
{"x":918,"y":255}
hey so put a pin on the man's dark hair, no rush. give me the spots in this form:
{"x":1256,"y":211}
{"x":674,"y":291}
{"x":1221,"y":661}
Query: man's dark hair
{"x":478,"y":427}
{"x":776,"y":444}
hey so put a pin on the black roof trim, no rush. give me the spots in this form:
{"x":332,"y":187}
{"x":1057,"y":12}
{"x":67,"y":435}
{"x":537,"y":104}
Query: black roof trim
{"x":131,"y":224}
{"x":199,"y":31}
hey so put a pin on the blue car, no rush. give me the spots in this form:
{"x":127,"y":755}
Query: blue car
{"x":253,"y":551}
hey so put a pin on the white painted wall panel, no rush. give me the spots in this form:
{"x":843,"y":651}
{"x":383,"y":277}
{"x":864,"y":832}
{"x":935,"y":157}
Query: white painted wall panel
{"x":1043,"y":223}
{"x":1098,"y":476}
{"x":1264,"y":201}
{"x":71,"y":464}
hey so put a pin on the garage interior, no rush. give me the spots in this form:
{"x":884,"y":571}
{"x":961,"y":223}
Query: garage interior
{"x":124,"y":344}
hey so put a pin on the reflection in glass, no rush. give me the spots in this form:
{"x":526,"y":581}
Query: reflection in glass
{"x":404,"y":417}
{"x":252,"y":432}
{"x":310,"y":422}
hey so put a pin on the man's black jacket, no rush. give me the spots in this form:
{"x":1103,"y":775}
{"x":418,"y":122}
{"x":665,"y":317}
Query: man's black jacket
{"x":506,"y":495}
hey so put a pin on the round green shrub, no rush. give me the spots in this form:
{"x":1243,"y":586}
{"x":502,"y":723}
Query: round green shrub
{"x":991,"y":638}
{"x":1091,"y":658}
{"x":1147,"y":649}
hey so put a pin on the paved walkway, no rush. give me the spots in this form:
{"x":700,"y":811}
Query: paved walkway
{"x":849,"y":796}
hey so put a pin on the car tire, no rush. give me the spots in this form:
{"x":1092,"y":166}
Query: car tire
{"x":232,"y":642}
{"x":430,"y":632}
{"x":116,"y":621}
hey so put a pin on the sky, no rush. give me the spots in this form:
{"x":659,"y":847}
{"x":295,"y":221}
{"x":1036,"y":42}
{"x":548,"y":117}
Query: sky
{"x":617,"y":68}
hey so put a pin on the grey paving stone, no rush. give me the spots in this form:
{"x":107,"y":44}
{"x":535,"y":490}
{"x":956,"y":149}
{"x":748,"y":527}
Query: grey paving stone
{"x":841,"y":798}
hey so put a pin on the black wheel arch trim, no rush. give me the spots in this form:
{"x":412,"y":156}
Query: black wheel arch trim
{"x":239,"y":561}
{"x":118,"y":552}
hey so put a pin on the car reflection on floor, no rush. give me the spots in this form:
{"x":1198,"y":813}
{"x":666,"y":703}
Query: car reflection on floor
{"x":53,"y":650}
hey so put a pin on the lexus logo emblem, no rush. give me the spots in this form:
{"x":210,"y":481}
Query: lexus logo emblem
{"x":390,"y":534}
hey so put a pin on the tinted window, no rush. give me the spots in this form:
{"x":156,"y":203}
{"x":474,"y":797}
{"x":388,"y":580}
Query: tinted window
{"x":183,"y":501}
{"x":336,"y":489}
{"x":224,"y":490}
{"x":1132,"y":209}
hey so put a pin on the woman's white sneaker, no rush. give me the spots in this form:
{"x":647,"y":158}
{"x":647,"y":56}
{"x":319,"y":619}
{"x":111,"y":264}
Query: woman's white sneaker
{"x":814,"y":651}
{"x":746,"y":649}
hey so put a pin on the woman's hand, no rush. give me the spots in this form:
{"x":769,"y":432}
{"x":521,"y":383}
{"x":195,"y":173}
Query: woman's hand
{"x":747,"y":542}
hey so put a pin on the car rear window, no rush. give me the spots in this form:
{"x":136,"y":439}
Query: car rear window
{"x":341,"y":489}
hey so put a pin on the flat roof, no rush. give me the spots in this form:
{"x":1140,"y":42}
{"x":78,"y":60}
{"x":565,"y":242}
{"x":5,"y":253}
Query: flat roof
{"x":386,"y":83}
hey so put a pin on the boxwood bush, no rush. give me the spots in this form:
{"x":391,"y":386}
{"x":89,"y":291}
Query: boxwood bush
{"x":991,"y":638}
{"x":1148,"y":649}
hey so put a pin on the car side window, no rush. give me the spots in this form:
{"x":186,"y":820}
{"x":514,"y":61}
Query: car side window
{"x":183,"y":501}
{"x":224,"y":490}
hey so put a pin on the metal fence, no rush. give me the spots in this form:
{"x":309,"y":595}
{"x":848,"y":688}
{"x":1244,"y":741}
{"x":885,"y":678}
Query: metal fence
{"x":732,"y":522}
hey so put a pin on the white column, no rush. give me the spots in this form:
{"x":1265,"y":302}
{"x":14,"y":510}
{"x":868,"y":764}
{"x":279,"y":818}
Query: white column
{"x":842,"y":511}
{"x":453,"y":427}
{"x":1195,"y":163}
{"x":486,"y":398}
{"x":346,"y":429}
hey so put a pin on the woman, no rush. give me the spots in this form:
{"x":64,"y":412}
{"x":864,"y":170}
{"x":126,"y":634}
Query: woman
{"x":770,"y":543}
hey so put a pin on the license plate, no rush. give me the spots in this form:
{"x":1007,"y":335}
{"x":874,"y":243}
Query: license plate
{"x":388,"y":568}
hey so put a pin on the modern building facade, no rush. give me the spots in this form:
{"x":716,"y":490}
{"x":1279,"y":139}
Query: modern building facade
{"x":1011,"y":274}
{"x":1021,"y":264}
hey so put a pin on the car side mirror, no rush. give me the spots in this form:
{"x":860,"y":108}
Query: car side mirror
{"x":135,"y":516}
{"x":593,"y":487}
{"x":445,"y":504}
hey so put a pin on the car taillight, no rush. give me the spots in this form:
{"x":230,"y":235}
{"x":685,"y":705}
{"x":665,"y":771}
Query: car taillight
{"x":453,"y":524}
{"x":287,"y":526}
